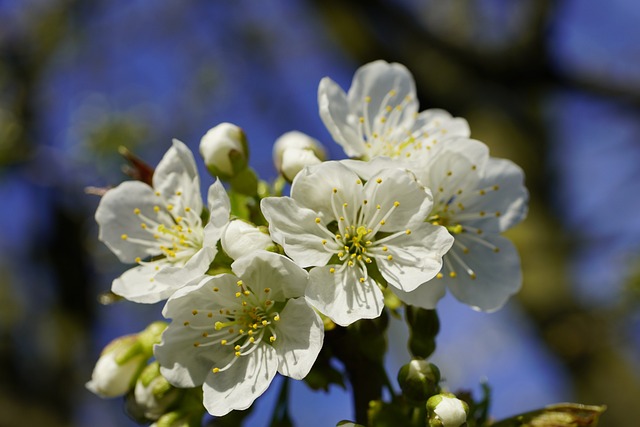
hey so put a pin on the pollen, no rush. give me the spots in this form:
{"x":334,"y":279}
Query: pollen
{"x":272,"y":339}
{"x":223,"y":342}
{"x":216,"y":289}
{"x":169,"y":207}
{"x":335,"y":190}
{"x":362,"y":280}
{"x":389,"y":257}
{"x":239,"y":283}
{"x":156,"y":209}
{"x":238,"y":294}
{"x":267,"y":290}
{"x":276,"y":317}
{"x":138,"y":260}
{"x":496,"y":187}
{"x":396,"y":204}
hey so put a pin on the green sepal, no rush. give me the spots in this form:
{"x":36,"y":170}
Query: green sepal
{"x":424,"y":326}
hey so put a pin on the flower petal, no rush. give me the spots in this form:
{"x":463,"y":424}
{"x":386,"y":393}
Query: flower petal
{"x":219,"y":211}
{"x":176,"y":277}
{"x":138,"y":284}
{"x":396,"y":186}
{"x":237,"y":387}
{"x":425,"y":296}
{"x":341,"y":123}
{"x":340,"y":295}
{"x":300,"y":335}
{"x":176,"y":178}
{"x":415,"y":258}
{"x":313,"y":188}
{"x":505,"y":193}
{"x":120,"y":227}
{"x":261,"y":270}
{"x":295,"y":228}
{"x":498,"y":274}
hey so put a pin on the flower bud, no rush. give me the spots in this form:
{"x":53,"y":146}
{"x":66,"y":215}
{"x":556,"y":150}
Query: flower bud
{"x":153,"y":395}
{"x":240,"y":238}
{"x":294,"y":160}
{"x":178,"y":419}
{"x":118,"y":367}
{"x":445,"y":410}
{"x":224,"y":150}
{"x":295,"y":140}
{"x":419,"y":379}
{"x":122,"y":360}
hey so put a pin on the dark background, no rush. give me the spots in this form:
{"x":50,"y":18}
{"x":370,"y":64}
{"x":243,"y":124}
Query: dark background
{"x":554,"y":86}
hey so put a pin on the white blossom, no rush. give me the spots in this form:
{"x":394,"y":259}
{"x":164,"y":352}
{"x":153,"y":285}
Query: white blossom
{"x":231,"y":334}
{"x":240,"y":238}
{"x":117,"y":368}
{"x":160,"y":227}
{"x":224,"y":150}
{"x":343,"y":226}
{"x":295,"y":141}
{"x":446,"y":410}
{"x":379,"y":114}
{"x":476,"y":197}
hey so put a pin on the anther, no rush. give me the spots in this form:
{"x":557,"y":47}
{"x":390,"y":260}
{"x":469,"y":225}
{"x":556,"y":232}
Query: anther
{"x":452,"y":274}
{"x":439,"y":276}
{"x":124,"y":237}
{"x":379,"y":180}
{"x":136,"y":211}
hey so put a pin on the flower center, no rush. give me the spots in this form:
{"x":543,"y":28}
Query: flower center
{"x":239,"y":328}
{"x":176,"y":234}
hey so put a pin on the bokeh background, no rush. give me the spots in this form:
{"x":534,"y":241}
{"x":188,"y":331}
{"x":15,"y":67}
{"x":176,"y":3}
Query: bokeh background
{"x":554,"y":86}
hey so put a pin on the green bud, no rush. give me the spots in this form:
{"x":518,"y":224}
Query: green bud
{"x":418,"y":380}
{"x":153,"y":395}
{"x":178,"y":419}
{"x":224,"y":150}
{"x":445,"y":410}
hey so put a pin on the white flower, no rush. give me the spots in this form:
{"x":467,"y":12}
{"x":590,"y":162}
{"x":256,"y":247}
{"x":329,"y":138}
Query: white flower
{"x":224,"y":150}
{"x":476,"y":197}
{"x":161,"y":229}
{"x":346,"y":227}
{"x":232,"y":334}
{"x":240,"y":238}
{"x":445,"y":410}
{"x":118,"y":367}
{"x":379,"y":115}
{"x":295,"y":140}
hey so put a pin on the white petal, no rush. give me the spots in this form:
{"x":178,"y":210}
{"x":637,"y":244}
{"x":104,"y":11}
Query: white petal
{"x":176,"y":277}
{"x":177,"y":173}
{"x":434,"y":121}
{"x":498,"y":274}
{"x":138,"y":284}
{"x":240,"y":238}
{"x":300,"y":335}
{"x":426,"y":295}
{"x":376,"y":80}
{"x":295,"y":228}
{"x":219,"y":211}
{"x":313,"y":188}
{"x":261,"y":270}
{"x":295,"y":140}
{"x":294,"y":160}
{"x":416,"y":258}
{"x":237,"y":387}
{"x":115,"y":217}
{"x":367,"y":169}
{"x":341,"y":123}
{"x":396,"y":185}
{"x":510,"y":199}
{"x":341,"y":296}
{"x":183,"y":364}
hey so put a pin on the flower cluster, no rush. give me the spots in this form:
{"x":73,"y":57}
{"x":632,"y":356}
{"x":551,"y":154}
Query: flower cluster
{"x":418,"y":207}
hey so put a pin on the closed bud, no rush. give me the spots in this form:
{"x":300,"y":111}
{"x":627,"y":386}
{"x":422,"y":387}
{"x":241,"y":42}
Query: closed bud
{"x":445,"y":410}
{"x":294,"y":160}
{"x":122,"y":360}
{"x":224,"y":150}
{"x":419,"y":379}
{"x":153,"y":395}
{"x":178,"y":419}
{"x":304,"y":151}
{"x":118,"y":367}
{"x":240,"y":238}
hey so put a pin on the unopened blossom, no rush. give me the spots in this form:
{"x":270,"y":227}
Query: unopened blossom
{"x":379,"y":115}
{"x":233,"y":333}
{"x":160,"y":227}
{"x":224,"y":150}
{"x":296,"y":141}
{"x":240,"y":238}
{"x":343,"y":226}
{"x":476,"y":197}
{"x":446,"y":410}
